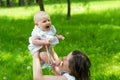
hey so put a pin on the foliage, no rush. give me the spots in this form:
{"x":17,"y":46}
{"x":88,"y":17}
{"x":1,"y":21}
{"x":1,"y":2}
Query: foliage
{"x":95,"y":30}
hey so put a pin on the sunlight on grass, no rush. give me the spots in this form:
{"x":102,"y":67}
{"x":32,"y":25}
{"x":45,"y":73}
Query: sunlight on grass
{"x":19,"y":12}
{"x":76,"y":8}
{"x":5,"y":56}
{"x":56,"y":8}
{"x":106,"y":26}
{"x":114,"y":66}
{"x":104,"y":5}
{"x":94,"y":7}
{"x":116,"y":27}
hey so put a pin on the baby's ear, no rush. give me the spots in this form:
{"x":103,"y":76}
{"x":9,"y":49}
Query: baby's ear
{"x":36,"y":24}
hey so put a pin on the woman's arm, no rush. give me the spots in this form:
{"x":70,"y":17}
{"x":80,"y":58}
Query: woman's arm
{"x":53,"y":54}
{"x":37,"y":71}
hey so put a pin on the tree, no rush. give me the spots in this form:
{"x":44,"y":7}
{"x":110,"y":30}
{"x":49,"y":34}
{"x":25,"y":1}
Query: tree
{"x":2,"y":3}
{"x":30,"y":2}
{"x":21,"y":2}
{"x":10,"y":3}
{"x":41,"y":5}
{"x":69,"y":9}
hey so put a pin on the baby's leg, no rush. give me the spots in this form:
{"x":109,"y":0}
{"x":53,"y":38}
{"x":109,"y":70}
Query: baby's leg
{"x":44,"y":57}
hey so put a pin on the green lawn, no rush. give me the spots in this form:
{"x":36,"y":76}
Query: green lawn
{"x":93,"y":29}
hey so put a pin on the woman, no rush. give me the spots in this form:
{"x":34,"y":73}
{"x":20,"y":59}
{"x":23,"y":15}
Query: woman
{"x":75,"y":66}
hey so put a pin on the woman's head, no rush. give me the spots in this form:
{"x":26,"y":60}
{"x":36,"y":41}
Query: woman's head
{"x":77,"y":64}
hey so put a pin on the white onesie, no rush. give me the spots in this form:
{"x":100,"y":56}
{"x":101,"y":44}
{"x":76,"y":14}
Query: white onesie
{"x":37,"y":32}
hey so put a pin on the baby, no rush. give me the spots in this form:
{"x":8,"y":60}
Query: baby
{"x":43,"y":39}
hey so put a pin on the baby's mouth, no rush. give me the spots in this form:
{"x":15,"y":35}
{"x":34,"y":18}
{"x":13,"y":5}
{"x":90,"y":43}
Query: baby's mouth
{"x":47,"y":27}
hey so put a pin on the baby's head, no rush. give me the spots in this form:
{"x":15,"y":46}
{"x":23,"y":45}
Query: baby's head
{"x":42,"y":20}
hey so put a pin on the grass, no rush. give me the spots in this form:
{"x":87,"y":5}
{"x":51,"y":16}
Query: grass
{"x":93,"y":29}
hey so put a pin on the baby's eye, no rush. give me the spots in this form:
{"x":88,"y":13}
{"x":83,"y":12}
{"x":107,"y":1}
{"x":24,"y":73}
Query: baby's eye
{"x":44,"y":21}
{"x":49,"y":20}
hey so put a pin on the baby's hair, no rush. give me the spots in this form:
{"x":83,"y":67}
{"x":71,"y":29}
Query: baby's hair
{"x":39,"y":15}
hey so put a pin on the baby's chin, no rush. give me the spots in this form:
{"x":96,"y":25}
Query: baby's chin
{"x":46,"y":29}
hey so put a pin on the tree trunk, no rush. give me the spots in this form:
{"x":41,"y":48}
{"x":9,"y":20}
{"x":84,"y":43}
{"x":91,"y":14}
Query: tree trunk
{"x":41,"y":5}
{"x":69,"y":9}
{"x":2,"y":3}
{"x":10,"y":3}
{"x":21,"y":2}
{"x":36,"y":1}
{"x":30,"y":2}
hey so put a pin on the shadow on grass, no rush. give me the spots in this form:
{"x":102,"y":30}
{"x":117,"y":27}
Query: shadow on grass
{"x":14,"y":33}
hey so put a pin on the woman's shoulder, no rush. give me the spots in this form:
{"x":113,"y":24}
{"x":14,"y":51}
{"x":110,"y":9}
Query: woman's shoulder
{"x":68,"y":76}
{"x":65,"y":76}
{"x":55,"y":78}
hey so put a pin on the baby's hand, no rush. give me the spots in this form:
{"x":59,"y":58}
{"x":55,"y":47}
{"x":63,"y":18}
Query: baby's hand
{"x":56,"y":66}
{"x":47,"y":42}
{"x":57,"y":63}
{"x":60,"y":37}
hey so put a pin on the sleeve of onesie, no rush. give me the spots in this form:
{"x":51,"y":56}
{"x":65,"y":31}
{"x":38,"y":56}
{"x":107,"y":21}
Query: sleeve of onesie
{"x":53,"y":29}
{"x":34,"y":32}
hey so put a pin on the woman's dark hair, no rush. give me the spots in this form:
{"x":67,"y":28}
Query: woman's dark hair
{"x":79,"y":65}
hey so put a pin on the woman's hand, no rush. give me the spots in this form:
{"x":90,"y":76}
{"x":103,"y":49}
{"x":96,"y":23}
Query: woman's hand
{"x":55,"y":68}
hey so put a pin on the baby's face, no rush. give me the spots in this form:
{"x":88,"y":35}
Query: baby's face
{"x":44,"y":23}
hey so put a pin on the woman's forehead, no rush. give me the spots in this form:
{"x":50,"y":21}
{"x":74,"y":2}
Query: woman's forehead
{"x":69,"y":55}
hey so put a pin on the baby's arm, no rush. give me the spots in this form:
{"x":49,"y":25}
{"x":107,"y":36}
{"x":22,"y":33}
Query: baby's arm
{"x":55,"y":59}
{"x":53,"y":54}
{"x":37,"y":41}
{"x":60,"y":37}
